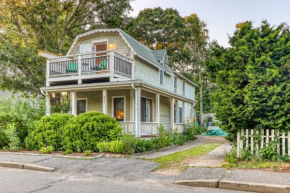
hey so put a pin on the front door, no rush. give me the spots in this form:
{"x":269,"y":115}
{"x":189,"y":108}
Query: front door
{"x":81,"y":106}
{"x":102,"y":57}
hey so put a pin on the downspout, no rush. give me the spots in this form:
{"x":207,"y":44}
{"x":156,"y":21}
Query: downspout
{"x":136,"y":111}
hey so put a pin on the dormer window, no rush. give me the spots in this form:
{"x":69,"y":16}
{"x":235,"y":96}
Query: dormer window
{"x":183,"y":88}
{"x":161,"y":76}
{"x":175,"y":84}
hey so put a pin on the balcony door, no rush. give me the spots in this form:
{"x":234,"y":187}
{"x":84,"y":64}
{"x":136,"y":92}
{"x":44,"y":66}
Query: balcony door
{"x":102,"y":60}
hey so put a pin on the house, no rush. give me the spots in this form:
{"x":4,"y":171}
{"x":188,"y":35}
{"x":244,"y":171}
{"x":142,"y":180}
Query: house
{"x":106,"y":70}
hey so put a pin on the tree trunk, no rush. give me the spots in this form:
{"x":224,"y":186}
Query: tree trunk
{"x":200,"y":96}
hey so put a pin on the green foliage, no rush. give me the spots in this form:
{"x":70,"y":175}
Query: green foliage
{"x":112,"y":146}
{"x":20,"y":112}
{"x":87,"y":152}
{"x":252,"y":78}
{"x":86,"y":130}
{"x":48,"y":131}
{"x":46,"y":150}
{"x":12,"y":137}
{"x":231,"y":156}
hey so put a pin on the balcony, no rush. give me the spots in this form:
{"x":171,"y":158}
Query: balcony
{"x":89,"y":66}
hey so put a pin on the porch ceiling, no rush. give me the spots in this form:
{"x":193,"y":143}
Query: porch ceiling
{"x":115,"y":86}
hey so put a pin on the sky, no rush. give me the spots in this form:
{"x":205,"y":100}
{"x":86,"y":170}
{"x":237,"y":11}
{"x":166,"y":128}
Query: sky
{"x":221,"y":16}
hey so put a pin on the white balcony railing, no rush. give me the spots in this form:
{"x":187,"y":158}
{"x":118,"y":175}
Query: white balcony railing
{"x":128,"y":127}
{"x":90,"y":64}
{"x":149,"y":128}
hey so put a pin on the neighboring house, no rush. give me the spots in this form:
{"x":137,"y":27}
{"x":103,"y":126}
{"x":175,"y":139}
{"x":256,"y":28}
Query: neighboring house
{"x":106,"y":70}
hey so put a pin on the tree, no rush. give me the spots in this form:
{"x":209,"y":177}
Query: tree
{"x":29,"y":25}
{"x":160,"y":29}
{"x":252,"y":78}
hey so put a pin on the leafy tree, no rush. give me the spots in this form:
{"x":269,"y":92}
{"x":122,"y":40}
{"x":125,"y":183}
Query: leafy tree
{"x":252,"y":78}
{"x":29,"y":25}
{"x":160,"y":29}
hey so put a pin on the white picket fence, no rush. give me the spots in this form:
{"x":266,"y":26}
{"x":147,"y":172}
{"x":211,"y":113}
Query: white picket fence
{"x":246,"y":139}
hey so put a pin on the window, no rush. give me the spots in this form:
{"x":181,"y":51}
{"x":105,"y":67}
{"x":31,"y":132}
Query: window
{"x":180,"y":114}
{"x":81,"y":106}
{"x":175,"y":84}
{"x":183,"y":89}
{"x":119,"y":109}
{"x":161,"y":75}
{"x":146,"y":110}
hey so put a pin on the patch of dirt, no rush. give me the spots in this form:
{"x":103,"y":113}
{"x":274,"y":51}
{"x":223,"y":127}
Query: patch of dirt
{"x":168,"y":172}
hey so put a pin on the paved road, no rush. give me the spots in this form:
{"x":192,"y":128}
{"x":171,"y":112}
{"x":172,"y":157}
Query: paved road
{"x":25,"y":181}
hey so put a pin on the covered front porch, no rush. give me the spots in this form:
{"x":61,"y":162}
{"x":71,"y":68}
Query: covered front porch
{"x":139,"y":108}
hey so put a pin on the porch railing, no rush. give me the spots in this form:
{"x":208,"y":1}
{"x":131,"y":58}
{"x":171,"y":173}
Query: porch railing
{"x":179,"y":127}
{"x":128,"y":127}
{"x":90,"y":64}
{"x":149,"y":128}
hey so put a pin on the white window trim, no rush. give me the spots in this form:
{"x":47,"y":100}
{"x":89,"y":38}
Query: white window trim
{"x":123,"y":96}
{"x":96,"y":42}
{"x":162,"y":77}
{"x":83,"y":99}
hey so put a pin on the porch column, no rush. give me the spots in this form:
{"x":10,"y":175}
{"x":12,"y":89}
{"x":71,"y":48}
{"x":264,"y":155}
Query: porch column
{"x":191,"y":112}
{"x":137,"y":112}
{"x":157,"y":97}
{"x":111,"y":66}
{"x":132,"y":105}
{"x":183,"y":112}
{"x":172,"y":100}
{"x":79,"y":69}
{"x":47,"y":104}
{"x":73,"y":103}
{"x":105,"y":101}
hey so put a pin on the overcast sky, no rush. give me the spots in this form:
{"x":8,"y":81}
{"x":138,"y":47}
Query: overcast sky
{"x":221,"y":16}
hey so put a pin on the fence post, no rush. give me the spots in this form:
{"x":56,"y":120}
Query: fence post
{"x":247,"y":138}
{"x":238,"y":144}
{"x":278,"y":144}
{"x":283,"y":143}
{"x":288,"y":141}
{"x":252,"y":141}
{"x":262,"y":138}
{"x":272,"y":134}
{"x":267,"y":137}
{"x":241,"y":141}
{"x":257,"y":144}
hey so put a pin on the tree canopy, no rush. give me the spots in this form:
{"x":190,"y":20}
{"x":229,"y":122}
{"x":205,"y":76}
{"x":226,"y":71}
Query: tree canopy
{"x":29,"y":25}
{"x":253,"y":78}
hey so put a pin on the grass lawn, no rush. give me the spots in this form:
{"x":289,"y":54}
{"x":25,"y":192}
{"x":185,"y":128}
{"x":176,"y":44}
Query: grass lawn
{"x":268,"y":166}
{"x":179,"y":161}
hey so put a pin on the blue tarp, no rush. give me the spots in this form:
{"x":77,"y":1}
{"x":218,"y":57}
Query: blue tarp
{"x":216,"y":132}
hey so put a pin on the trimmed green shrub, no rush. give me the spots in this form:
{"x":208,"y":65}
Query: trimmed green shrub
{"x":87,"y":152}
{"x":48,"y":131}
{"x":86,"y":130}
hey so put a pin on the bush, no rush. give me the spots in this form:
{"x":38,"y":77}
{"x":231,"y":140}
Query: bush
{"x":21,"y":112}
{"x":86,"y":130}
{"x":87,"y":152}
{"x":12,"y":138}
{"x":112,"y":146}
{"x":46,"y":150}
{"x":190,"y":130}
{"x":48,"y":131}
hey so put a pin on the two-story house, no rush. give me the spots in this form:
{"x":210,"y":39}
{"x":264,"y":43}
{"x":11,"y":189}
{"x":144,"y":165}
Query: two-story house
{"x":108,"y":71}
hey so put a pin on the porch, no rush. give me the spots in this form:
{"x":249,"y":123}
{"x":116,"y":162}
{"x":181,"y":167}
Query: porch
{"x":139,"y":110}
{"x":105,"y":66}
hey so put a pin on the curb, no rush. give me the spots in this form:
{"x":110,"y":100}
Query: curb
{"x":199,"y":183}
{"x":26,"y":166}
{"x":253,"y":187}
{"x":79,"y":157}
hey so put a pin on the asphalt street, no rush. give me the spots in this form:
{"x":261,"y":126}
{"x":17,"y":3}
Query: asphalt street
{"x":25,"y":181}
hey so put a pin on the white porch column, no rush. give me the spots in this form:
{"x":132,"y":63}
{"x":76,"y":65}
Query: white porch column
{"x":157,"y":97}
{"x":132,"y":105}
{"x":105,"y":101}
{"x":137,"y":112}
{"x":111,"y":65}
{"x":79,"y":69}
{"x":47,"y":73}
{"x":172,"y":100}
{"x":47,"y":104}
{"x":73,"y":103}
{"x":183,"y":112}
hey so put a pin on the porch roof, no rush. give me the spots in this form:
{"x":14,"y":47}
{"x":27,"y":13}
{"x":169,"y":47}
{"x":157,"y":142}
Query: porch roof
{"x":115,"y":86}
